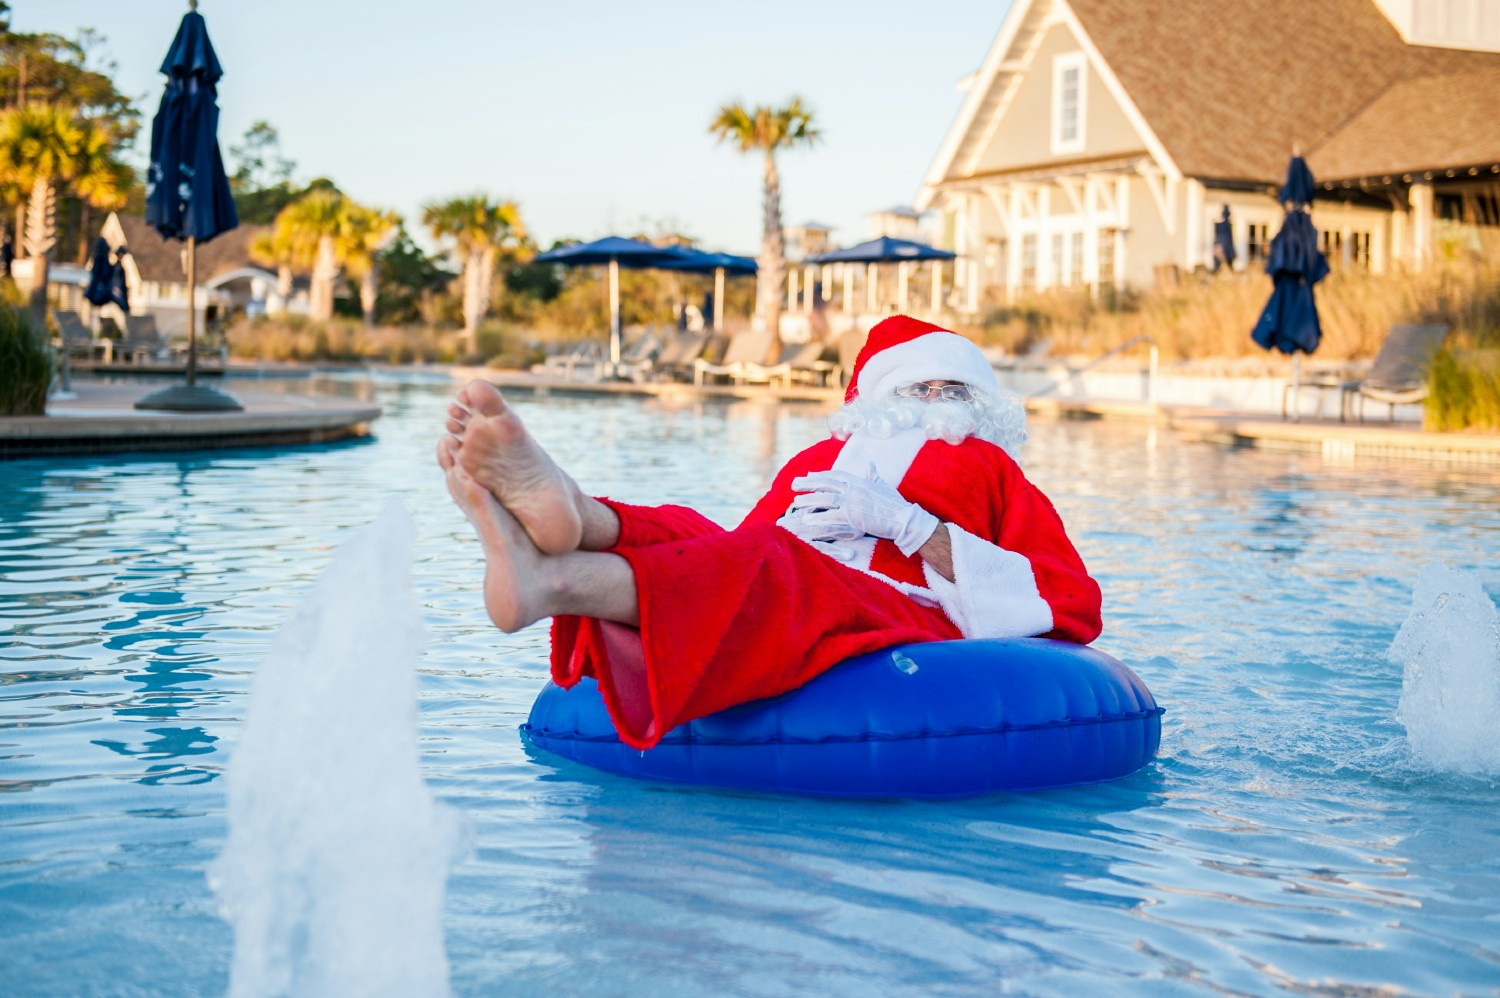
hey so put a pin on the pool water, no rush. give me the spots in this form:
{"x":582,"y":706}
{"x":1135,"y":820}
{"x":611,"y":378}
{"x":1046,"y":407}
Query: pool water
{"x":1286,"y":840}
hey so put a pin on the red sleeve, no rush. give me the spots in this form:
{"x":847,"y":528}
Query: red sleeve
{"x":1011,"y":512}
{"x":1030,"y":526}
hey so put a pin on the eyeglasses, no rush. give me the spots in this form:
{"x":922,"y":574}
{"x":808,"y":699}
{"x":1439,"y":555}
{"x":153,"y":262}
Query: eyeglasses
{"x":921,"y":390}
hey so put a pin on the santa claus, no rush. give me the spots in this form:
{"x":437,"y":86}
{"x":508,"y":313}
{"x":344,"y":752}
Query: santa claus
{"x":912,"y":522}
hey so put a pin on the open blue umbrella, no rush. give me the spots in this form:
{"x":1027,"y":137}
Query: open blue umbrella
{"x":107,"y":277}
{"x":887,"y":249}
{"x":1289,"y":322}
{"x":719,"y":264}
{"x":614,"y":252}
{"x":187,"y":190}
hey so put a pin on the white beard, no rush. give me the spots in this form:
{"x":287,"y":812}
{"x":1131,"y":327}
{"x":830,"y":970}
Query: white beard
{"x":999,"y":419}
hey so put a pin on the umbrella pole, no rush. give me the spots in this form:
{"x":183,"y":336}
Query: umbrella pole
{"x":192,"y":282}
{"x":614,"y":315}
{"x":718,"y":299}
{"x":1296,"y":387}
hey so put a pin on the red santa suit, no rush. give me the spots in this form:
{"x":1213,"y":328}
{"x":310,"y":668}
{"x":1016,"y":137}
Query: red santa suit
{"x":729,"y":616}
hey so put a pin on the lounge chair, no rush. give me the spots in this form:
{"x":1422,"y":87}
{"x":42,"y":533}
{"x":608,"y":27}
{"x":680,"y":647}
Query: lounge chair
{"x":581,"y":356}
{"x":677,"y":356}
{"x":143,"y":341}
{"x":850,"y":344}
{"x":77,"y":340}
{"x":799,"y":362}
{"x":1399,"y":374}
{"x":637,"y":358}
{"x":746,"y":349}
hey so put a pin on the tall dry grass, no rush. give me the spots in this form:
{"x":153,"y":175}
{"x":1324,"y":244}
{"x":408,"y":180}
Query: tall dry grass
{"x":1211,"y":316}
{"x":294,"y":338}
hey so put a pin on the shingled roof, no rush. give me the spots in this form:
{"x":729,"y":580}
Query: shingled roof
{"x":160,"y":259}
{"x":1231,"y":87}
{"x":1449,"y":121}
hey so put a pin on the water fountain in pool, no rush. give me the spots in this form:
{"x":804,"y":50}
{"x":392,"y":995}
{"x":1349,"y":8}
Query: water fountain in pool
{"x":1449,"y":649}
{"x":337,"y":858}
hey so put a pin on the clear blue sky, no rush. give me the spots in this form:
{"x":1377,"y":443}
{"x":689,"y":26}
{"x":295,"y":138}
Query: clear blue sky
{"x":591,"y":115}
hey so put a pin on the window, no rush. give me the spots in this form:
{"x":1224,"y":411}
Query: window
{"x":1028,"y":260}
{"x":1333,"y":246}
{"x":994,"y":261}
{"x":1359,"y":249}
{"x":1257,"y":242}
{"x":1057,"y":277}
{"x":1075,"y":258}
{"x":1106,"y":258}
{"x":1068,"y":104}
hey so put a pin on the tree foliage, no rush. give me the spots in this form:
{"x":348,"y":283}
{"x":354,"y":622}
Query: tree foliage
{"x":768,"y":129}
{"x":262,"y":178}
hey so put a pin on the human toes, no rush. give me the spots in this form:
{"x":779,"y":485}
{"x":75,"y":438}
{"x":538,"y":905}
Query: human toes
{"x":482,"y":398}
{"x":447,"y":452}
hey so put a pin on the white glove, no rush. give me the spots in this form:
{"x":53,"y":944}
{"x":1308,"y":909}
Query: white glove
{"x":832,"y":528}
{"x":869,"y":504}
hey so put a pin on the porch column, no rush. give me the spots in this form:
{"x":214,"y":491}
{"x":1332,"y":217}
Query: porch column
{"x":1193,"y":250}
{"x":872,"y":296}
{"x":809,"y":287}
{"x":848,"y":288}
{"x":1420,"y":198}
{"x":827,"y":279}
{"x":903,"y":285}
{"x":937,"y":287}
{"x":791,"y":289}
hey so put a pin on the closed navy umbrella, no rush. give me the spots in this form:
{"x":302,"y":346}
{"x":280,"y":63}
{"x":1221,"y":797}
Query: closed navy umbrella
{"x":187,"y":190}
{"x":1224,"y":253}
{"x":107,"y":278}
{"x":1289,"y":322}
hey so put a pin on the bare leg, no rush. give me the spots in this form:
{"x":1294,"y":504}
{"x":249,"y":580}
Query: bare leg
{"x":497,"y":452}
{"x":522,"y":584}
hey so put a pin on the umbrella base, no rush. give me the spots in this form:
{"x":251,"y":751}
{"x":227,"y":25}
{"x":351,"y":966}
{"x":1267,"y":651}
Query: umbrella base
{"x":190,"y":398}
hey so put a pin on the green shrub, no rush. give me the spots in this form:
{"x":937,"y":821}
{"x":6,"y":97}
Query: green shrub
{"x":26,"y":364}
{"x":1465,"y":390}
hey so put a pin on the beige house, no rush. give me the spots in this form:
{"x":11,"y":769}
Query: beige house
{"x":228,"y":277}
{"x":1099,"y":140}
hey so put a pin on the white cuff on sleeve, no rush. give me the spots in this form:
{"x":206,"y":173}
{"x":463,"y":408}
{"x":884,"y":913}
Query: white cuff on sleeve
{"x":994,"y":593}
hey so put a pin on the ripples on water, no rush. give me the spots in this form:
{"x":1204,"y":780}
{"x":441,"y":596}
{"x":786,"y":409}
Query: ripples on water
{"x":1287,"y":840}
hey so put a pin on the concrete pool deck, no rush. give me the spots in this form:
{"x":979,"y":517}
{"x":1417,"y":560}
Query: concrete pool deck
{"x":101,"y":419}
{"x":1333,"y":439}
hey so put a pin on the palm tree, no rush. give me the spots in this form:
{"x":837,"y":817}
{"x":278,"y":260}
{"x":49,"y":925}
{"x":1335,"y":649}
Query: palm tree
{"x":363,"y":233}
{"x":481,"y":229}
{"x":275,"y":248}
{"x":47,"y":147}
{"x":308,"y":232}
{"x":768,"y":129}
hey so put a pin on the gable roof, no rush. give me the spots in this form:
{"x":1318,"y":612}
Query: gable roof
{"x":160,"y":260}
{"x":1230,"y":89}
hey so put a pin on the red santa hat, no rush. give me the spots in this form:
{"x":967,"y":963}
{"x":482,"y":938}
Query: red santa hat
{"x":901,"y":350}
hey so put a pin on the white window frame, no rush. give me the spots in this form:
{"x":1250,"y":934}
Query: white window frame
{"x":1061,"y":64}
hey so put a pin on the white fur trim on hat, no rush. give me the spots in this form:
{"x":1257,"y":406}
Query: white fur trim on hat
{"x":930,"y":357}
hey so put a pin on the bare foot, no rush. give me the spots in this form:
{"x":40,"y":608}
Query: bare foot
{"x":513,"y":566}
{"x":498,"y":453}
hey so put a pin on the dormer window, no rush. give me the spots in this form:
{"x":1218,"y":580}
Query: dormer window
{"x":1068,"y":76}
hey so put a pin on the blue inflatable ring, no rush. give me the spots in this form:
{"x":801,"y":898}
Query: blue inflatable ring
{"x":946,"y":719}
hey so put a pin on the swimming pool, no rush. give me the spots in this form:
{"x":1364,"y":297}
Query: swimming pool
{"x":1286,"y":840}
